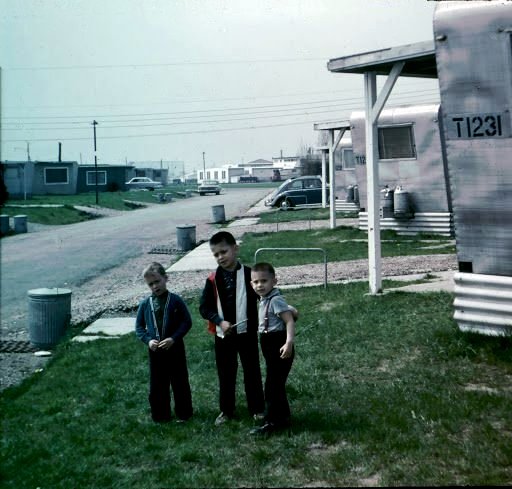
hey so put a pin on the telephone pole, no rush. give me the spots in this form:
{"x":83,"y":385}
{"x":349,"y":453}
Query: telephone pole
{"x":94,"y":124}
{"x":204,"y":169}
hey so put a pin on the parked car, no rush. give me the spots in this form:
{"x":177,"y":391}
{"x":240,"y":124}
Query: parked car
{"x":142,"y":183}
{"x":297,"y":191}
{"x":209,"y":187}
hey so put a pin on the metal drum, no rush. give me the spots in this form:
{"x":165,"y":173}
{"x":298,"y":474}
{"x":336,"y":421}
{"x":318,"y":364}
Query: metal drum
{"x":20,"y":224}
{"x":356,"y":194}
{"x":218,"y":213}
{"x":49,"y":314}
{"x":386,"y":202}
{"x":350,"y":193}
{"x":186,"y":237}
{"x":402,"y":207}
{"x":4,"y":224}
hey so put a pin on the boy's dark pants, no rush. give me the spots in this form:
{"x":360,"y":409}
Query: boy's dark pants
{"x":168,"y":368}
{"x":277,"y":407}
{"x":227,"y":350}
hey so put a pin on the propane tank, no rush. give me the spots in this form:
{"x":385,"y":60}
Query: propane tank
{"x":386,"y":202}
{"x":402,"y":204}
{"x":350,"y":193}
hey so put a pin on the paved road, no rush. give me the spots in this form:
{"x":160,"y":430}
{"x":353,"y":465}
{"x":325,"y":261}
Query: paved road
{"x":70,"y":255}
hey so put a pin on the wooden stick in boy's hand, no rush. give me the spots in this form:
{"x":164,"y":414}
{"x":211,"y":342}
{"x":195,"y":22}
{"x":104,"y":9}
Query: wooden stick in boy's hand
{"x":227,"y":330}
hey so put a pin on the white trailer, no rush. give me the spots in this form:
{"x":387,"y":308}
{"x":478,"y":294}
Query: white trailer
{"x":472,"y":58}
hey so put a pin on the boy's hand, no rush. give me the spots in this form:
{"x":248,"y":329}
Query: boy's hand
{"x":225,"y":326}
{"x":286,"y":350}
{"x":153,"y":345}
{"x":166,"y":344}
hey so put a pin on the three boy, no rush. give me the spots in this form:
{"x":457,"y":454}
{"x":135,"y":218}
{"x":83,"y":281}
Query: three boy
{"x":229,"y":302}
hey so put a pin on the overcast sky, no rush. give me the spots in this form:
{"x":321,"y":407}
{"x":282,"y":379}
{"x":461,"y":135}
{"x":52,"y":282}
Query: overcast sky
{"x":170,"y":79}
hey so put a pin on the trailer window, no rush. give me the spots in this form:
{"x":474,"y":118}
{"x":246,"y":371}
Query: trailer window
{"x":91,"y":177}
{"x":348,"y":159}
{"x":396,"y":142}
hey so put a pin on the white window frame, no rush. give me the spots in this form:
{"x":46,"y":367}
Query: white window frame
{"x":87,"y":173}
{"x":409,"y":126}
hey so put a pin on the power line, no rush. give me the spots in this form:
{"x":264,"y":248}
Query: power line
{"x":159,"y":65}
{"x":225,"y":109}
{"x":267,"y":115}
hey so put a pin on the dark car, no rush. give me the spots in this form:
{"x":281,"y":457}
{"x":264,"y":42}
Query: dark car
{"x":297,"y":191}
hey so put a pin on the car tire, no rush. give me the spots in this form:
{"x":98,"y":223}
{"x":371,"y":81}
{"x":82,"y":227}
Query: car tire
{"x":286,"y":204}
{"x":217,"y":193}
{"x":201,"y":194}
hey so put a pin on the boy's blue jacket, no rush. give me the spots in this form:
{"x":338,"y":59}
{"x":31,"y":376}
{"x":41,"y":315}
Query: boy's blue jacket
{"x":177,"y":320}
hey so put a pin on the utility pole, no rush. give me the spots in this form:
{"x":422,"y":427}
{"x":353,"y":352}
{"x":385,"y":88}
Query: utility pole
{"x":204,"y":169}
{"x":94,"y":124}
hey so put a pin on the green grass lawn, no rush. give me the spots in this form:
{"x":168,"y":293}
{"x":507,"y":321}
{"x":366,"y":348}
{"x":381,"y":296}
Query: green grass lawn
{"x":48,"y":215}
{"x":342,"y":243}
{"x":384,"y":391}
{"x":69,"y":215}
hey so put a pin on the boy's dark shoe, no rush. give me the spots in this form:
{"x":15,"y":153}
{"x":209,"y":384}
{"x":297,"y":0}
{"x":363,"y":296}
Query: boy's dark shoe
{"x":265,"y":429}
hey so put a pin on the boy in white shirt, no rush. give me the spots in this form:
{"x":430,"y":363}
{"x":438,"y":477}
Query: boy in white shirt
{"x":277,"y":336}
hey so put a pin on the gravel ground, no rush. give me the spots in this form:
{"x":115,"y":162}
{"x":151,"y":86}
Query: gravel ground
{"x":118,"y":291}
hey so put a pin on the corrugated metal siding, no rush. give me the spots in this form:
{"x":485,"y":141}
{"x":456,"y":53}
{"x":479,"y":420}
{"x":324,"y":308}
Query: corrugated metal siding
{"x":423,"y":222}
{"x":483,"y":303}
{"x":344,"y":206}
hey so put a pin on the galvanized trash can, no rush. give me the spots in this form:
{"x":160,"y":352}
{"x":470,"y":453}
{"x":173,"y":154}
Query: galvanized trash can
{"x":20,"y":223}
{"x":168,"y":197}
{"x":49,"y":315}
{"x":186,"y":237}
{"x":4,"y":224}
{"x":218,"y":213}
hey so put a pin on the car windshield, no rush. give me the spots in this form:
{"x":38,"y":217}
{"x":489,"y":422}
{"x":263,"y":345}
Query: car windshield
{"x":278,"y":189}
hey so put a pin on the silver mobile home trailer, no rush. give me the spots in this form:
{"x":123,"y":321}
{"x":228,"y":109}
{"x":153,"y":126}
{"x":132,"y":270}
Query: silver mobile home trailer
{"x":412,"y":159}
{"x":472,"y":59}
{"x":473,"y":44}
{"x":345,"y":176}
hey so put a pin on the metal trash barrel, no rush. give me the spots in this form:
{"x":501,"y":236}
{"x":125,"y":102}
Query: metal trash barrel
{"x":188,"y":194}
{"x":386,"y":202}
{"x":20,"y":223}
{"x":350,"y":193}
{"x":4,"y":224}
{"x":49,"y":315}
{"x":168,"y":197}
{"x":218,"y":213}
{"x":186,"y":237}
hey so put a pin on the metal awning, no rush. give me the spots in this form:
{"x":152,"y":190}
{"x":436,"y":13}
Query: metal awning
{"x":419,"y":61}
{"x":323,"y":126}
{"x":414,"y":60}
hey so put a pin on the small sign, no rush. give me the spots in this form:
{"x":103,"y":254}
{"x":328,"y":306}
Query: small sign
{"x":478,"y":126}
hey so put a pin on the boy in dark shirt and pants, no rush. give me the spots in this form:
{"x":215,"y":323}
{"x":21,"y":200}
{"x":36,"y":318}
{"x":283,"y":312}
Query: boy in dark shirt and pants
{"x":229,"y":303}
{"x":162,"y":322}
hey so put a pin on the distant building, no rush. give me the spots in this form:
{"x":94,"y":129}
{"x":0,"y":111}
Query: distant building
{"x":224,"y":174}
{"x":27,"y":178}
